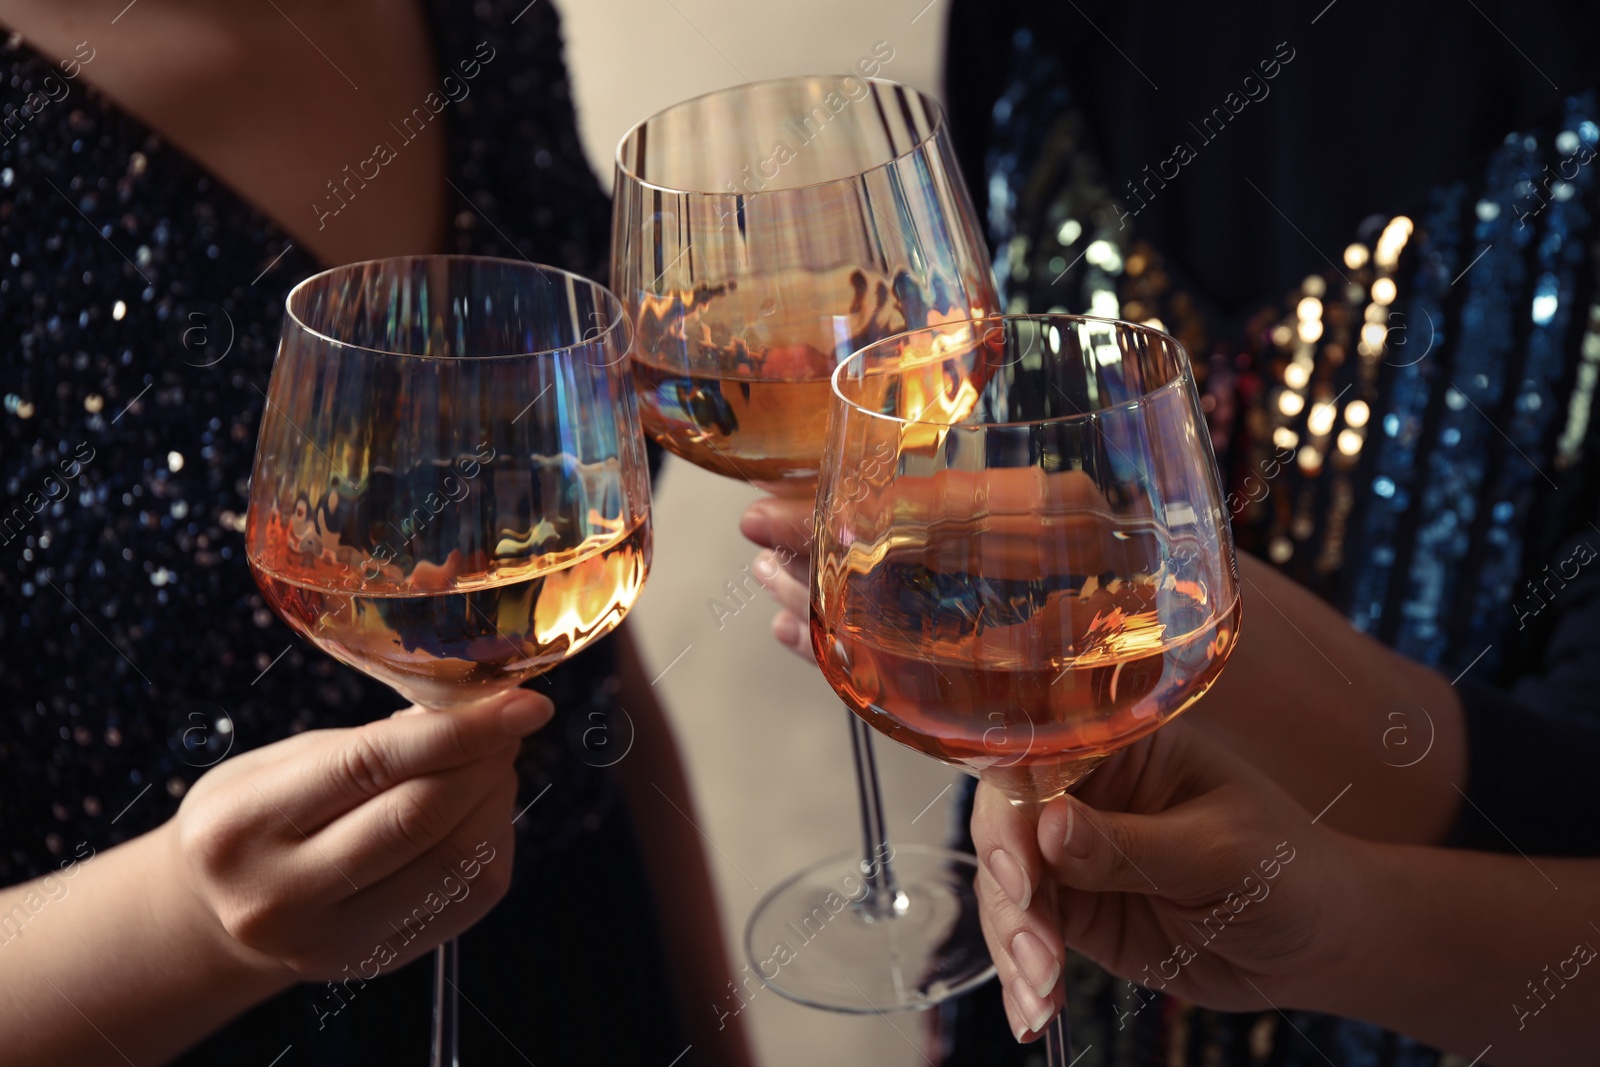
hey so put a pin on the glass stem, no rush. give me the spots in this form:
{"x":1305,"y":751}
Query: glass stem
{"x":446,"y":1005}
{"x":882,"y":890}
{"x":1058,"y":1042}
{"x":1058,"y":1035}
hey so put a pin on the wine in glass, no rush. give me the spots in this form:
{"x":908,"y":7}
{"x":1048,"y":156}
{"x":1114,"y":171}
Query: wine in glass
{"x":1043,"y":572}
{"x":450,"y":490}
{"x":762,"y":234}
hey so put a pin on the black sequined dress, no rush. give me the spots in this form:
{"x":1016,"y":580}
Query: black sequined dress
{"x":140,"y":301}
{"x":1376,"y":230}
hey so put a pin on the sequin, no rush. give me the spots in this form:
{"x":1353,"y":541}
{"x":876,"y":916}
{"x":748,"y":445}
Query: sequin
{"x":125,"y":603}
{"x":1454,"y":335}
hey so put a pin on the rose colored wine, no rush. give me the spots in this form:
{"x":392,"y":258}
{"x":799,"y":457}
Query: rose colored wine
{"x":766,"y":431}
{"x":466,"y":636}
{"x":1031,"y":682}
{"x":734,"y":377}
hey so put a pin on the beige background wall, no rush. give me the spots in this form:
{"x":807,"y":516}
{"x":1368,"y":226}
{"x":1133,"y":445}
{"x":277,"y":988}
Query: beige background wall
{"x":765,"y":738}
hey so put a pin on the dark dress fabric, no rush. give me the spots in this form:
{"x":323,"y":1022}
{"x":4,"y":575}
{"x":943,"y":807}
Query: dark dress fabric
{"x":140,"y":303}
{"x":1375,"y":230}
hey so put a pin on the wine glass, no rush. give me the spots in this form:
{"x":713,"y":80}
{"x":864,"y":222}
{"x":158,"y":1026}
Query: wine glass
{"x":761,"y":234}
{"x":1022,"y":562}
{"x":450,"y":490}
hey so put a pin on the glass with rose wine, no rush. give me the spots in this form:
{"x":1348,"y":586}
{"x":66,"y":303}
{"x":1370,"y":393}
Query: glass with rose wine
{"x":762,"y":234}
{"x":450,"y":490}
{"x":1041,"y":572}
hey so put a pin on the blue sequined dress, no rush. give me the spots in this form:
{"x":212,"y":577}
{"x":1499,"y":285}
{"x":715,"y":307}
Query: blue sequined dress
{"x":1378,"y":237}
{"x":140,"y":301}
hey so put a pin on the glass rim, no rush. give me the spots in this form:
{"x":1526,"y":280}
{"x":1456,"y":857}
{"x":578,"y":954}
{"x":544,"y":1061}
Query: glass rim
{"x":614,"y":304}
{"x":1184,"y":375}
{"x":935,"y":109}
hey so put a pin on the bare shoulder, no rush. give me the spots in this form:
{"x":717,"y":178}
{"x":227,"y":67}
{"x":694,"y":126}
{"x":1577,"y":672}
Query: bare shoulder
{"x":276,"y":100}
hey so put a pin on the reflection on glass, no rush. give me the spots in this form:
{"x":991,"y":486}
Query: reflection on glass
{"x":762,"y":234}
{"x":450,"y":492}
{"x":1023,"y":563}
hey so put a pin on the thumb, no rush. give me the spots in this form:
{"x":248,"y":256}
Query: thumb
{"x":1115,"y":852}
{"x":773,"y":521}
{"x":353,"y":766}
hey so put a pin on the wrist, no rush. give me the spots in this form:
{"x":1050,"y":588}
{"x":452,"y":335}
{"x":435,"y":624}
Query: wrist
{"x":180,"y":908}
{"x":1362,"y":961}
{"x":1350,"y":890}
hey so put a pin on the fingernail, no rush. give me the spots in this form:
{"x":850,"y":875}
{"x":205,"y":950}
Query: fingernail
{"x":786,"y":628}
{"x":1035,"y":962}
{"x":1035,"y":1010}
{"x":1012,"y":878}
{"x":1019,"y":1029}
{"x":525,"y":712}
{"x":415,"y":709}
{"x":1080,"y":835}
{"x":765,"y":568}
{"x":754,"y":522}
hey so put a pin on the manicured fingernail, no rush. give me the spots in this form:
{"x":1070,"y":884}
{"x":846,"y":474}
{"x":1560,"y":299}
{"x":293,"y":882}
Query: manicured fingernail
{"x":1012,"y":878}
{"x":786,"y":628}
{"x":1019,"y":1029}
{"x":1035,"y":962}
{"x":1035,"y":1010}
{"x":754,"y":522}
{"x":1080,"y":835}
{"x":524,"y":713}
{"x":765,"y":568}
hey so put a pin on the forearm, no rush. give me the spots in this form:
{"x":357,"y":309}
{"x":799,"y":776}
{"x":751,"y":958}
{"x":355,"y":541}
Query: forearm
{"x":1465,"y":950}
{"x":114,"y":965}
{"x":657,"y":790}
{"x":1318,"y":706}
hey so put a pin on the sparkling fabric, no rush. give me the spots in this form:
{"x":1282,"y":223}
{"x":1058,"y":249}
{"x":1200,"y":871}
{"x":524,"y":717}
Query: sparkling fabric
{"x":1405,"y":434}
{"x":140,"y":303}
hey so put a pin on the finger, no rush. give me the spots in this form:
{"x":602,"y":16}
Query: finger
{"x":1016,"y":908}
{"x":1176,"y":763}
{"x":792,"y":594}
{"x":443,"y":893}
{"x":1006,"y":844}
{"x":794,"y":564}
{"x":1092,"y":923}
{"x":1114,"y":852}
{"x":391,"y":830}
{"x":793,"y":633}
{"x":1017,"y":1019}
{"x":1023,"y":944}
{"x":1026,"y":1009}
{"x":353,"y":766}
{"x":774,"y":521}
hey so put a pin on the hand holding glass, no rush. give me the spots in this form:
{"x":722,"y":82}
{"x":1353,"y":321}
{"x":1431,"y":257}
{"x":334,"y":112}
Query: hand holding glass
{"x":1022,"y":560}
{"x":450,"y":490}
{"x":762,"y":234}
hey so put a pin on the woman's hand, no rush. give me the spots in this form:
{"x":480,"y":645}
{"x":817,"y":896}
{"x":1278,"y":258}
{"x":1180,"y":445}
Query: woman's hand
{"x":1176,"y":866}
{"x":344,"y":849}
{"x":783,"y":527}
{"x":337,"y":854}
